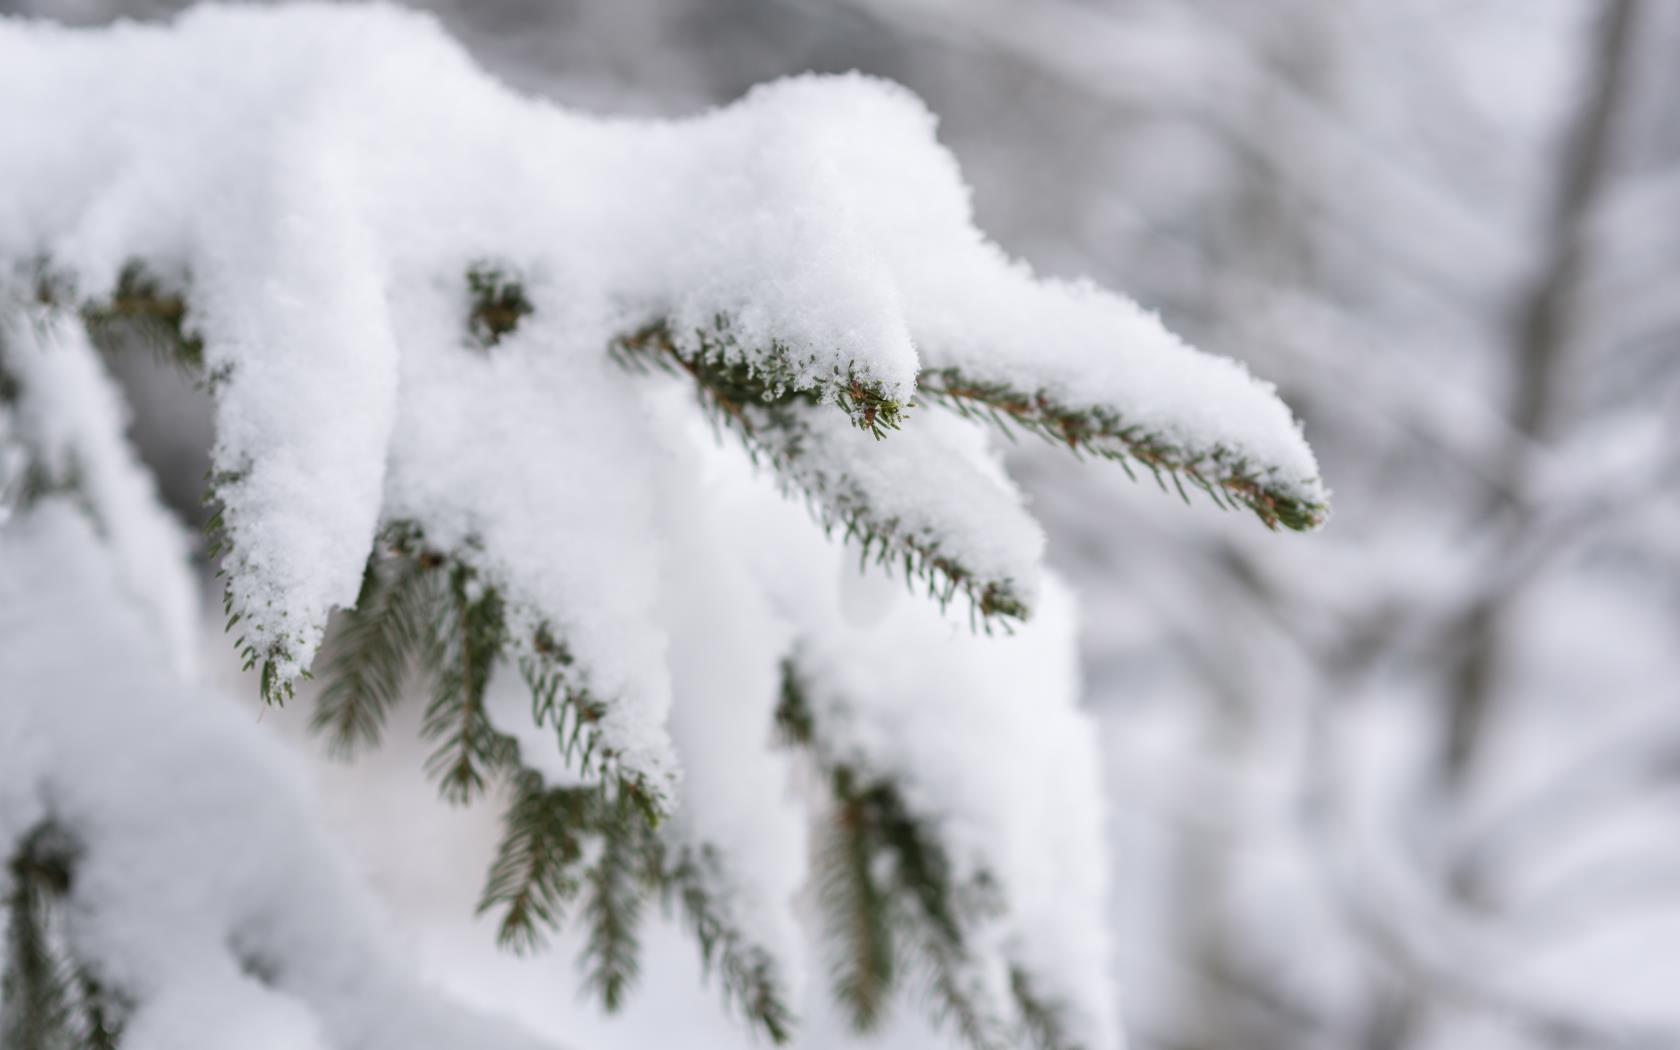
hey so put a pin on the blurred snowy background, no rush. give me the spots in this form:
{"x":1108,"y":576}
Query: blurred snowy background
{"x":1410,"y":782}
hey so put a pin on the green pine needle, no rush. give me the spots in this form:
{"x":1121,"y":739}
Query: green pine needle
{"x":536,"y":870}
{"x":758,"y":404}
{"x":148,"y":311}
{"x":499,"y":303}
{"x":859,"y":917}
{"x":749,"y":976}
{"x":890,"y":896}
{"x":782,"y":434}
{"x":144,"y":310}
{"x":612,"y":910}
{"x":1226,"y":476}
{"x":729,"y":382}
{"x":368,"y":659}
{"x":1042,"y":1022}
{"x":48,"y":1000}
{"x":470,"y":749}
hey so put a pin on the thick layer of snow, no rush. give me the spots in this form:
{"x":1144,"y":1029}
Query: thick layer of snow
{"x":969,"y":306}
{"x":202,"y":862}
{"x":320,"y":179}
{"x":727,"y":644}
{"x":936,"y":485}
{"x":324,"y":176}
{"x":986,"y":739}
{"x":537,"y":467}
{"x":71,"y":417}
{"x":983,"y":735}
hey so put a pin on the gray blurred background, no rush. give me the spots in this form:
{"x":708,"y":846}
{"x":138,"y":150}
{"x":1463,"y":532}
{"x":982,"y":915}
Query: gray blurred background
{"x":1413,"y":781}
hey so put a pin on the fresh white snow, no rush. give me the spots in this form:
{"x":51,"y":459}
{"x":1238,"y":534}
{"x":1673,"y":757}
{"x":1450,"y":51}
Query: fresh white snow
{"x":318,"y":180}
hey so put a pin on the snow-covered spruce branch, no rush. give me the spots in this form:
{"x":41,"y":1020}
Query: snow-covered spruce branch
{"x":891,"y":897}
{"x":410,"y":294}
{"x":1227,"y":475}
{"x":749,"y":975}
{"x":424,"y":611}
{"x":920,"y":503}
{"x":732,"y":379}
{"x":48,"y":999}
{"x":837,"y":273}
{"x":201,"y":906}
{"x":419,"y":611}
{"x":564,"y":843}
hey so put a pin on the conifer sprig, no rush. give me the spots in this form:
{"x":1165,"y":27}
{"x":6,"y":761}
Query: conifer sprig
{"x":563,"y":843}
{"x":729,"y":381}
{"x":420,"y":608}
{"x":1228,"y":477}
{"x":144,"y":309}
{"x":749,"y":976}
{"x":368,"y":659}
{"x":498,"y":302}
{"x":784,"y":437}
{"x":37,"y":989}
{"x":563,"y":703}
{"x":901,"y":902}
{"x":48,"y":999}
{"x":777,"y":425}
{"x":598,"y":839}
{"x":889,"y":893}
{"x":537,"y":867}
{"x":471,"y":639}
{"x":893,"y":904}
{"x":614,"y":892}
{"x":265,"y":657}
{"x":1043,"y":1022}
{"x":857,"y":917}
